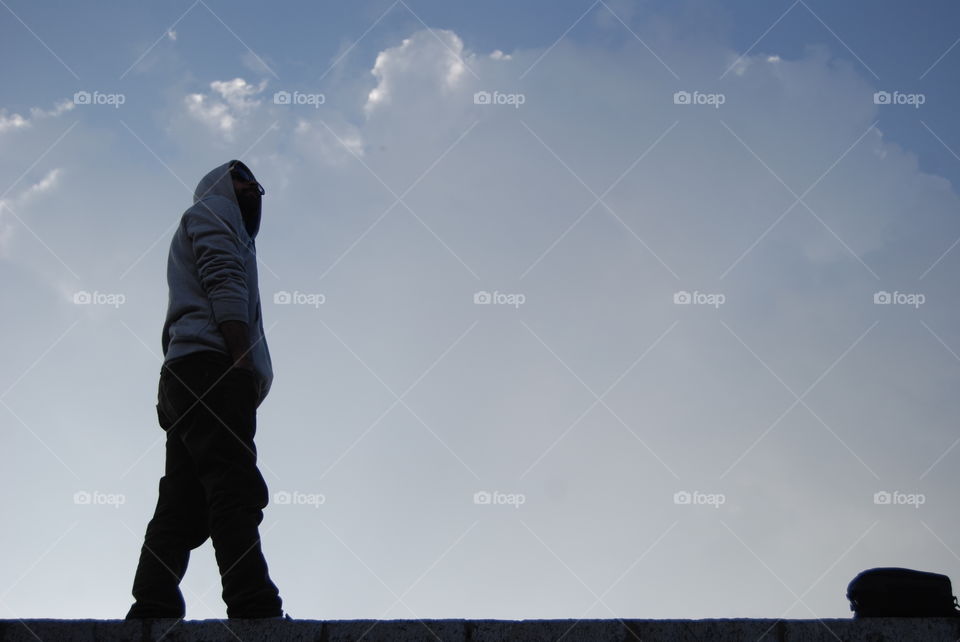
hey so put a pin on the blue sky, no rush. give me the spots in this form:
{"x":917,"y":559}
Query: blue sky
{"x":884,"y":37}
{"x":720,"y":352}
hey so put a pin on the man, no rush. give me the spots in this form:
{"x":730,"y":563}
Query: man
{"x":216,"y":373}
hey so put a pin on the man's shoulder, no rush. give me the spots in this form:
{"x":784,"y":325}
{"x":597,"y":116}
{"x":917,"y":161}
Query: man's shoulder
{"x":214,"y":207}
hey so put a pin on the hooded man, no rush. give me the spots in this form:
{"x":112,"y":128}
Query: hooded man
{"x":216,"y":373}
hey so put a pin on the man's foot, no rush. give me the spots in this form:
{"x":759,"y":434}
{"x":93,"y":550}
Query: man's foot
{"x":155,"y":615}
{"x":285,"y":616}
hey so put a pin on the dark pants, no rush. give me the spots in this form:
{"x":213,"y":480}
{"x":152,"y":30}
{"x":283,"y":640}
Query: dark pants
{"x":211,"y":488}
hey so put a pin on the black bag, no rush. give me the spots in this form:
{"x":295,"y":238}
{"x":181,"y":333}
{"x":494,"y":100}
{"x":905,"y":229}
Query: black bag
{"x":901,"y":592}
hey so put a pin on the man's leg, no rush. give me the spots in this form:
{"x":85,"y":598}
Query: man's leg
{"x":222,"y":447}
{"x":179,"y":524}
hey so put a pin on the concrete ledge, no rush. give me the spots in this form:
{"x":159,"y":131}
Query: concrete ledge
{"x":728,"y":630}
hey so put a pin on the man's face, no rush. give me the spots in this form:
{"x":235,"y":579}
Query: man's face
{"x":247,"y":189}
{"x":244,"y":182}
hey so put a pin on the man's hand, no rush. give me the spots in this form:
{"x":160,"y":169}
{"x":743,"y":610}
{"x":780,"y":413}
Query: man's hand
{"x":237,"y":337}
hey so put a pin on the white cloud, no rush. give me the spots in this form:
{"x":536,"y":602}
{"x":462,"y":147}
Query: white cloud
{"x":237,"y":99}
{"x":215,"y":114}
{"x":238,"y":92}
{"x":14,"y":121}
{"x":430,"y":62}
{"x":599,"y":297}
{"x":7,"y":209}
{"x":45,"y":184}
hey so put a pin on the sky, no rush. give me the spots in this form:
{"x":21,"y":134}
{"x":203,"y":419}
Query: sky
{"x":577,"y":309}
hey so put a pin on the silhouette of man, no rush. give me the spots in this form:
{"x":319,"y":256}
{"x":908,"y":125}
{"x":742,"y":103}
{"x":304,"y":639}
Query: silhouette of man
{"x":216,"y":373}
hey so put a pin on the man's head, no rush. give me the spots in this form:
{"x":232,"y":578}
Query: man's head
{"x":247,"y":190}
{"x":244,"y":182}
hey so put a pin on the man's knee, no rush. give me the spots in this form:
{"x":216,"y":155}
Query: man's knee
{"x":239,"y":491}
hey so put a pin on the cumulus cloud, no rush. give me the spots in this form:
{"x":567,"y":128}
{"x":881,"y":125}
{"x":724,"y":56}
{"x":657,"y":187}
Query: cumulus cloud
{"x":692,"y":200}
{"x":228,"y":103}
{"x":429,"y":60}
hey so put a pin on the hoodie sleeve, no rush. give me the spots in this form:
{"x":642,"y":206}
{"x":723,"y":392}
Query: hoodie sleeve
{"x":212,"y":225}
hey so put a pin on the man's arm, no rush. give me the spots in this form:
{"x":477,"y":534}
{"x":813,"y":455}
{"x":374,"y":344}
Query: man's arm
{"x":237,"y":337}
{"x":219,"y":256}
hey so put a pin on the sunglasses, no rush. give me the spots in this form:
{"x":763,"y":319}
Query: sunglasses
{"x":244,"y":175}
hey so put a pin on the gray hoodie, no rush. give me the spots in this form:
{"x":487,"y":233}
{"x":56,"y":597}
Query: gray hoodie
{"x":212,"y":275}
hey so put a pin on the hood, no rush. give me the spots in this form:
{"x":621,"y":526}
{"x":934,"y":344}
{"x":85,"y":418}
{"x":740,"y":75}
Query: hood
{"x":217,"y":182}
